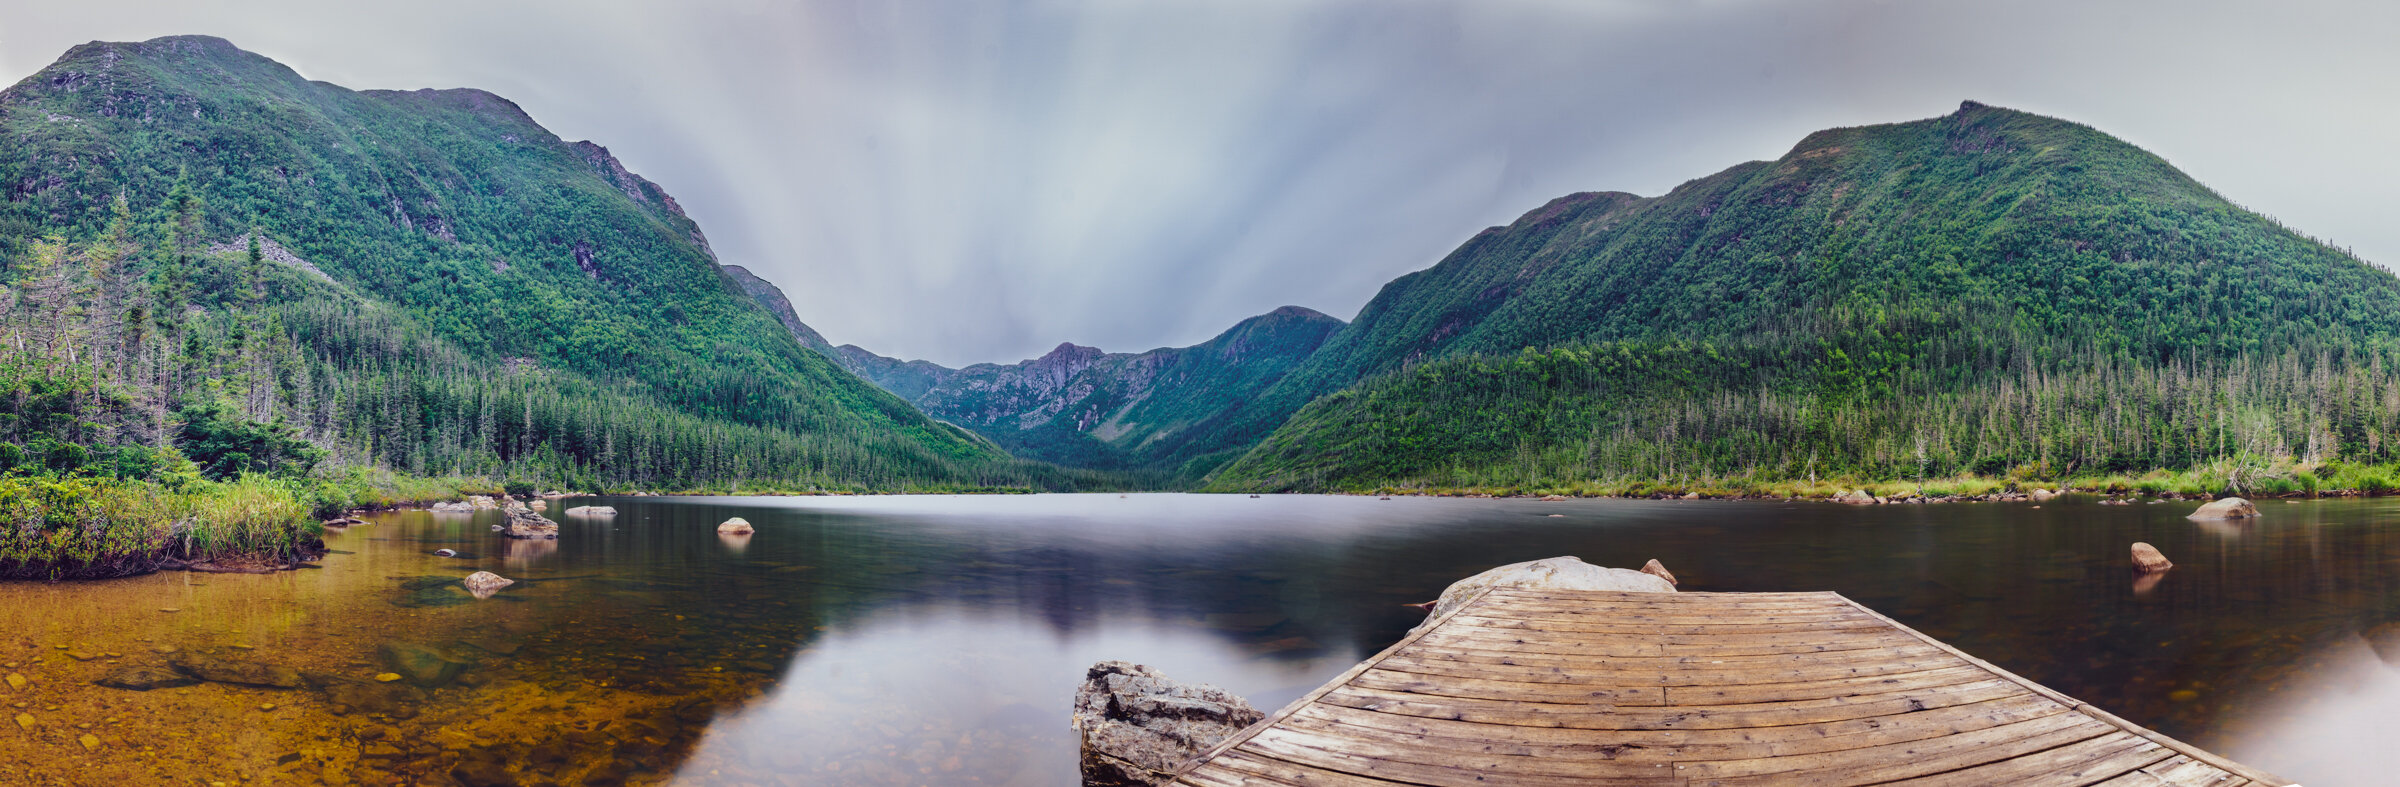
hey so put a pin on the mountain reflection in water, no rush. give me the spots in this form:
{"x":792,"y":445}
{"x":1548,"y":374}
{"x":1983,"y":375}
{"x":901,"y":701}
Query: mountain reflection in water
{"x":938,"y":640}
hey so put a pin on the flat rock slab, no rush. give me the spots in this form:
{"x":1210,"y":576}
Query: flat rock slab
{"x":146,"y":678}
{"x":240,"y":672}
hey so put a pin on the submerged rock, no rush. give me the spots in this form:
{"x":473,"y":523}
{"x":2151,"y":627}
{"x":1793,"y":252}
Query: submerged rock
{"x":2148,"y":560}
{"x":1136,"y":726}
{"x":484,"y":583}
{"x":2227,"y":508}
{"x":523,"y":523}
{"x":425,"y":666}
{"x":1552,"y":573}
{"x":145,"y":679}
{"x":736,"y":526}
{"x":390,"y":698}
{"x":1658,"y":569}
{"x":216,"y":669}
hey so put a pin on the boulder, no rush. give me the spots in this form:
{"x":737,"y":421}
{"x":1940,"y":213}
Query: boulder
{"x":2226,"y":508}
{"x":245,"y":673}
{"x":482,"y":501}
{"x":527,"y":524}
{"x":1658,"y":569}
{"x":1554,"y":573}
{"x":1136,"y":726}
{"x":145,"y":679}
{"x":484,"y":583}
{"x":425,"y":666}
{"x":454,"y":508}
{"x":2043,"y":495}
{"x":1545,"y":498}
{"x":2384,"y":639}
{"x":539,"y":505}
{"x":1858,"y":497}
{"x":2146,"y":559}
{"x":592,"y":511}
{"x":736,"y":526}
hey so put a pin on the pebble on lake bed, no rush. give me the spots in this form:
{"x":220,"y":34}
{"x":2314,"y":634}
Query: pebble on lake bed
{"x":2148,"y":560}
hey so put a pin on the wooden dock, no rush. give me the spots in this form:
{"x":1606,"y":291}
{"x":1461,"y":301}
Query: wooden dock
{"x":1542,"y":687}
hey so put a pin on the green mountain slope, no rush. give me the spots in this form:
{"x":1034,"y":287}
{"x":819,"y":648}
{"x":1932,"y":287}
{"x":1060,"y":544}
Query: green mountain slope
{"x":1970,"y":293}
{"x":452,"y":217}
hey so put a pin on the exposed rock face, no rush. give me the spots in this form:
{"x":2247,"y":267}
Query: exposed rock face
{"x":145,"y":679}
{"x":1551,"y":573}
{"x":484,"y":583}
{"x":2148,"y":560}
{"x":2227,"y":508}
{"x":1658,"y":569}
{"x":527,"y":524}
{"x":1137,"y":727}
{"x":592,"y":511}
{"x":736,"y":526}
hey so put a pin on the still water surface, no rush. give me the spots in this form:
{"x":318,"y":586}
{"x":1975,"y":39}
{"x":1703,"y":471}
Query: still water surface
{"x":938,"y":640}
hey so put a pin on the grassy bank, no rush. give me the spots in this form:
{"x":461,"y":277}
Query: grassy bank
{"x":56,"y":527}
{"x":2259,"y":479}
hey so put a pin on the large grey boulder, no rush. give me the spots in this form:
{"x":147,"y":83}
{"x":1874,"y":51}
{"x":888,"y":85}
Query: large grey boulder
{"x":1550,"y":573}
{"x":1137,"y":726}
{"x":2227,"y":508}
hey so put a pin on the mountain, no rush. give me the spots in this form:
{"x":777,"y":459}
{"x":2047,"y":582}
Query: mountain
{"x":461,"y":246}
{"x":1155,"y":411}
{"x":1989,"y":291}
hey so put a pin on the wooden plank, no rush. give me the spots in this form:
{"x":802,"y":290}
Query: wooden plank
{"x":1507,"y":690}
{"x":1915,"y":759}
{"x":1244,"y":768}
{"x":1285,"y":748}
{"x":1536,"y":668}
{"x":2073,"y":765}
{"x":1731,"y":624}
{"x":1602,"y":717}
{"x":1688,"y":696}
{"x":1553,"y":644}
{"x":1444,"y":735}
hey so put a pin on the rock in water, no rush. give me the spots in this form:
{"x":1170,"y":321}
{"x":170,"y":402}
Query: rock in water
{"x":145,"y":679}
{"x":592,"y":511}
{"x":1658,"y":569}
{"x":484,"y":583}
{"x":524,"y":523}
{"x":1137,"y":727}
{"x":423,"y":665}
{"x":736,"y":526}
{"x":2227,"y":508}
{"x":1552,"y":573}
{"x":454,"y":508}
{"x":246,"y":673}
{"x":2043,"y":495}
{"x":2146,"y":559}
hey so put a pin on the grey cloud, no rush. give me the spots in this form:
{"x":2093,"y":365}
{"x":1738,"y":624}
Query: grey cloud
{"x":973,"y":181}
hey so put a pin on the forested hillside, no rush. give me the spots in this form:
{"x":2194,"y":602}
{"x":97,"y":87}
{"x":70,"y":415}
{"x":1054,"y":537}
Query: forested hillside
{"x":1977,"y":293}
{"x":441,"y":286}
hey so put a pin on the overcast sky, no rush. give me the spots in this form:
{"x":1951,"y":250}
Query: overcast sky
{"x":967,"y":182}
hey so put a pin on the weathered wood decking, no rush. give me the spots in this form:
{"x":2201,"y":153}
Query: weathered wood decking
{"x":1560,"y":687}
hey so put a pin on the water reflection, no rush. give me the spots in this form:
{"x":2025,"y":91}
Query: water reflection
{"x":920,"y":640}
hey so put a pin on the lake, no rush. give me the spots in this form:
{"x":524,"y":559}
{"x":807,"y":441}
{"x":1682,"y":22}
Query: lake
{"x":936,"y":640}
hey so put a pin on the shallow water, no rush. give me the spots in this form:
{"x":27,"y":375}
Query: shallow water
{"x":938,"y":640}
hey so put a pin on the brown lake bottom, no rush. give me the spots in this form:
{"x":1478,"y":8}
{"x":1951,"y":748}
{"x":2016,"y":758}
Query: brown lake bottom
{"x":938,"y":640}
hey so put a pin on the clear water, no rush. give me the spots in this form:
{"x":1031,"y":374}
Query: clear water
{"x":938,"y":640}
